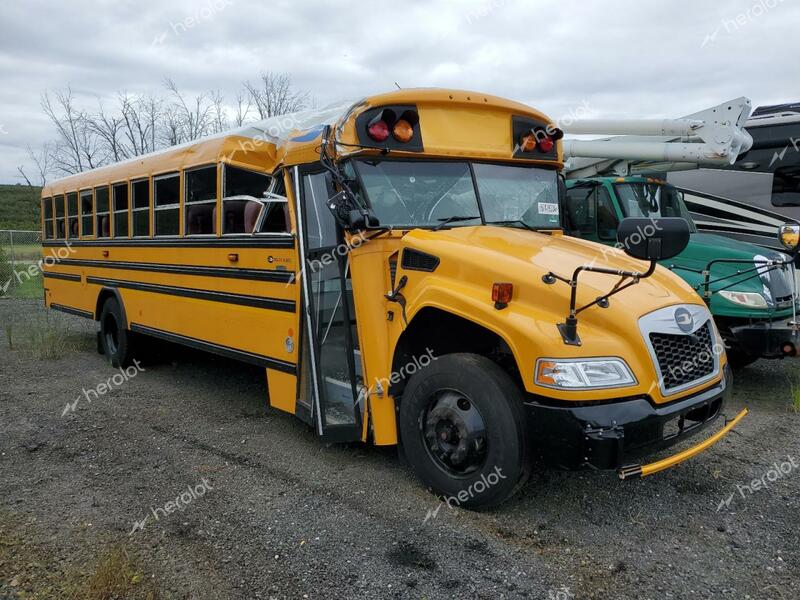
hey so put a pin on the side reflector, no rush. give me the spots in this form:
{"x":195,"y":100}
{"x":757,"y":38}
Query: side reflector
{"x":501,"y":294}
{"x":403,"y":131}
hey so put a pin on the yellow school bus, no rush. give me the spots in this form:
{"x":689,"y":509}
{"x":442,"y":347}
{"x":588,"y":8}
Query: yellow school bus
{"x":398,"y":267}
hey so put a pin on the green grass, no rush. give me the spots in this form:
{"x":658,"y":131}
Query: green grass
{"x":794,"y":389}
{"x":19,"y":207}
{"x":45,"y":335}
{"x":24,"y":286}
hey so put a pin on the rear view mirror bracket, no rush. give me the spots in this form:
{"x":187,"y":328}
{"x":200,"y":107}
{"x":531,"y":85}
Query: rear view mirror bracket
{"x":644,"y":239}
{"x":569,"y":329}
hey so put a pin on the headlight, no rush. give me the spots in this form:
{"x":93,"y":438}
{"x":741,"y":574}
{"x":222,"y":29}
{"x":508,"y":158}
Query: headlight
{"x":751,"y":299}
{"x":789,"y":235}
{"x":573,"y":374}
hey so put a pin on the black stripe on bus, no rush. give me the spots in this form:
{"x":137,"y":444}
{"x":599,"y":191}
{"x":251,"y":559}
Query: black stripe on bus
{"x":170,"y":290}
{"x":73,"y":311}
{"x":223,"y":242}
{"x":227,"y":351}
{"x":228,"y":272}
{"x":729,"y":214}
{"x":64,"y":276}
{"x":736,"y":228}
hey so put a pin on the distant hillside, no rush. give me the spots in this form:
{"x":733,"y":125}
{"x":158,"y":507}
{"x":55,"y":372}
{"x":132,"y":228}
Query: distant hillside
{"x":19,"y":207}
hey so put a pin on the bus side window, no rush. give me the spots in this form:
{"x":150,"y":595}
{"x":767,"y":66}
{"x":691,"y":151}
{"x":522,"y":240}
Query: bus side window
{"x":120,"y":206}
{"x":141,"y":208}
{"x":166,"y":204}
{"x":87,"y":213}
{"x":61,"y":222}
{"x":47,"y":212}
{"x":239,"y":212}
{"x":73,"y":229}
{"x":606,"y":217}
{"x":103,"y":212}
{"x":200,"y":203}
{"x":581,"y":211}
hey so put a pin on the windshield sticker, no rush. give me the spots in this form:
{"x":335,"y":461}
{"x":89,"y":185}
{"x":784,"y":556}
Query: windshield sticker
{"x":548,"y":208}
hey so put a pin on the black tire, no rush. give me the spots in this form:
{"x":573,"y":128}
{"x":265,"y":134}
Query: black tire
{"x":118,"y":343}
{"x":438,"y":412}
{"x":739,"y":359}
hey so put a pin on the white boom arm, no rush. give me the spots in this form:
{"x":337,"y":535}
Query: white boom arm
{"x":712,"y":137}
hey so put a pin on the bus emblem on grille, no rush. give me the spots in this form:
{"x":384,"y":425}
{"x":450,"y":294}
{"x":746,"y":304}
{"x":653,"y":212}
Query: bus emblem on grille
{"x":684,"y":320}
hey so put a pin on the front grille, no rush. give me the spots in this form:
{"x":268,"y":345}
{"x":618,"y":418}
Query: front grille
{"x":684,"y":358}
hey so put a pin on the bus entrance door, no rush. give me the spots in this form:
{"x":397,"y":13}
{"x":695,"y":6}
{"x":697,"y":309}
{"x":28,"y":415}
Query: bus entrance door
{"x":330,"y":376}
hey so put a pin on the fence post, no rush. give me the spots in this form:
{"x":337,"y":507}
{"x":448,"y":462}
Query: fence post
{"x":13,"y":262}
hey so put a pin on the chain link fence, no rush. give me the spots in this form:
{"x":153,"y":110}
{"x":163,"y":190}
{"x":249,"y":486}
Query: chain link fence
{"x":20,"y":271}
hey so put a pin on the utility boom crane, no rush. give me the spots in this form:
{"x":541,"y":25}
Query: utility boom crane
{"x":712,"y":137}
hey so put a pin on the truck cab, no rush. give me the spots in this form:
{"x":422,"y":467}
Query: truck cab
{"x":749,"y":289}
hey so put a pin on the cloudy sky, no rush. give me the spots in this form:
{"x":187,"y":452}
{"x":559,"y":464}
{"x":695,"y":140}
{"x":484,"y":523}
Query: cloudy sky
{"x":613,"y":57}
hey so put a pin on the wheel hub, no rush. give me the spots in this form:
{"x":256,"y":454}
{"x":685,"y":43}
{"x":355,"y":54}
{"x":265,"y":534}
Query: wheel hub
{"x":455,"y":433}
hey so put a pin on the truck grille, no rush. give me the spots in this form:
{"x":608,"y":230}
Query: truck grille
{"x":683,"y":358}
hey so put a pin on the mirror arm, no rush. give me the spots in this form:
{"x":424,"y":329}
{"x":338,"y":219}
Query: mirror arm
{"x":569,"y":329}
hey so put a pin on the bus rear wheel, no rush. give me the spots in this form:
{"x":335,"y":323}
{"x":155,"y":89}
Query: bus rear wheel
{"x":118,"y":343}
{"x":464,"y":431}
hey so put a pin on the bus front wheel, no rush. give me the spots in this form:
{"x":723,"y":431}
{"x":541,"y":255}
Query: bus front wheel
{"x":464,"y":431}
{"x":118,"y":342}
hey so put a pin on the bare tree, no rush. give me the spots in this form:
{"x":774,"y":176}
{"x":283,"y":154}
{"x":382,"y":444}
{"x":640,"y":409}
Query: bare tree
{"x":77,"y":147}
{"x":41,"y":162}
{"x":141,"y":123}
{"x":243,"y":107}
{"x":141,"y":117}
{"x":188,"y":119}
{"x":274,"y":95}
{"x":108,"y":128}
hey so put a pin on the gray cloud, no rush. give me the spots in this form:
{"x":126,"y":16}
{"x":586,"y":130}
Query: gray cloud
{"x":620,"y":58}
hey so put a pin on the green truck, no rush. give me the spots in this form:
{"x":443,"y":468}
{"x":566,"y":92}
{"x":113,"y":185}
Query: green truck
{"x":750,"y":290}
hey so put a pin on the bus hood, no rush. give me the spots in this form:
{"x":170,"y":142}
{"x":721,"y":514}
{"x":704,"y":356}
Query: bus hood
{"x":488,"y":254}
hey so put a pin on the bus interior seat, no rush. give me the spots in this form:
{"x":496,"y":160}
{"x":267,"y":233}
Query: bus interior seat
{"x":251,"y":212}
{"x":105,"y":227}
{"x":201,"y":219}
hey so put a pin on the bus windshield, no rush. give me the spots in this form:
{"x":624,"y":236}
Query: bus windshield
{"x":652,"y":200}
{"x":427,"y":193}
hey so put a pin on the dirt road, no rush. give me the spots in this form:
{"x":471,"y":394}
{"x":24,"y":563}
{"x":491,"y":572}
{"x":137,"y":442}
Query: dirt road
{"x":178,"y":482}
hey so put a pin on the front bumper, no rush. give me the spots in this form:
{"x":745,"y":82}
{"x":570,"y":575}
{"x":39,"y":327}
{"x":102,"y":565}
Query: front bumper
{"x":768,"y":339}
{"x":614,"y":435}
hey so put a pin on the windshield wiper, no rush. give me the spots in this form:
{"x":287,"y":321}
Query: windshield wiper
{"x":453,"y":219}
{"x":511,"y":221}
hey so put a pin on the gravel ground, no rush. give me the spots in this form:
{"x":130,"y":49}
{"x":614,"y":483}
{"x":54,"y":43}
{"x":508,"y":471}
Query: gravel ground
{"x":275,"y":514}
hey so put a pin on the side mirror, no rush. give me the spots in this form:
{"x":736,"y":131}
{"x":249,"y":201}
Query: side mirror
{"x":653,"y":239}
{"x":361,"y":219}
{"x":789,"y":236}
